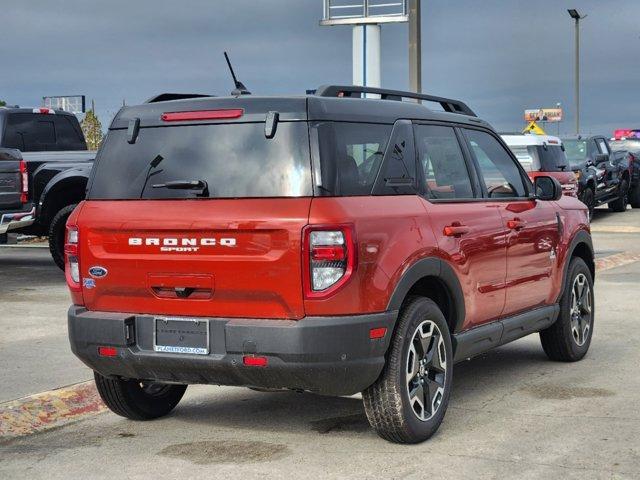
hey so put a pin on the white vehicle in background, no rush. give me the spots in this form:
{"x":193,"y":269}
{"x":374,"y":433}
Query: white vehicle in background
{"x":543,"y":154}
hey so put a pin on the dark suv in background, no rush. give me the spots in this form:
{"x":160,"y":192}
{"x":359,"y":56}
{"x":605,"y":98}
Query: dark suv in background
{"x":626,"y":143}
{"x":602,"y":176}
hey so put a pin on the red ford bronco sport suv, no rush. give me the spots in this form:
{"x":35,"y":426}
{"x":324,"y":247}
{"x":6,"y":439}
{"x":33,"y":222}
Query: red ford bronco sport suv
{"x":328,"y":243}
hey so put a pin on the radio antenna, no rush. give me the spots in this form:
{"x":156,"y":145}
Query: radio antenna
{"x":239,"y":89}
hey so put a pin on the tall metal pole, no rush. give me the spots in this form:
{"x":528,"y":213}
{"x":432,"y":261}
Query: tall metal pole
{"x":577,"y":75}
{"x":415,"y":47}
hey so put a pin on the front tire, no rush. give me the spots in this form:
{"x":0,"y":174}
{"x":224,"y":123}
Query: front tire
{"x":568,"y":339}
{"x":57,"y":231}
{"x":620,"y":204}
{"x":138,"y":399}
{"x":409,"y":400}
{"x":589,"y":199}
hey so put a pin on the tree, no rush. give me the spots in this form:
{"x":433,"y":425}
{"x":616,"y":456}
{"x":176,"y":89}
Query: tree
{"x":92,"y":130}
{"x":2,"y":103}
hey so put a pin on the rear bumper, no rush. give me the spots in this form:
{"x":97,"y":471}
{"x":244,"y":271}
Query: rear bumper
{"x":15,"y":220}
{"x":330,"y":355}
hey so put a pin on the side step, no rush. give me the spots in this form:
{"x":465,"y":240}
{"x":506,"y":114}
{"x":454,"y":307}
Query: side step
{"x":485,"y":337}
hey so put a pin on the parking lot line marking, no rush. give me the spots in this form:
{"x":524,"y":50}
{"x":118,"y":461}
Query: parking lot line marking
{"x":616,"y":260}
{"x":614,"y":229}
{"x":45,"y":410}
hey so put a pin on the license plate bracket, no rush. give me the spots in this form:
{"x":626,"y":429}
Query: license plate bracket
{"x":181,"y":335}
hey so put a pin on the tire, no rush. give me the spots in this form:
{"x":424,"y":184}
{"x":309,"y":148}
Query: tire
{"x":57,"y":231}
{"x":138,"y":400}
{"x":568,"y":339}
{"x":392,"y":411}
{"x":620,"y":204}
{"x":634,"y":197}
{"x":588,"y":197}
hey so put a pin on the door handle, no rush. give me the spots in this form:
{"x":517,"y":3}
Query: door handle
{"x":455,"y":230}
{"x":516,"y":224}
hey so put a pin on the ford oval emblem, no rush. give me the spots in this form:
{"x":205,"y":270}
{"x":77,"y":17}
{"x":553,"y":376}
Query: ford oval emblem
{"x":98,"y":272}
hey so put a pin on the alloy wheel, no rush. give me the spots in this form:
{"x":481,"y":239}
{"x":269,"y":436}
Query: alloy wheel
{"x":426,"y":370}
{"x":580,"y":309}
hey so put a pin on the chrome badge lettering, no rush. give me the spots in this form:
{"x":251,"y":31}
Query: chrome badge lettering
{"x":182,"y":245}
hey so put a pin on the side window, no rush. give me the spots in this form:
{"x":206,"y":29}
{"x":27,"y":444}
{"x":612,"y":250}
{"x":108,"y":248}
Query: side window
{"x":440,"y":157}
{"x":602,"y":145}
{"x":498,"y":170}
{"x":398,"y":172}
{"x":351,"y":155}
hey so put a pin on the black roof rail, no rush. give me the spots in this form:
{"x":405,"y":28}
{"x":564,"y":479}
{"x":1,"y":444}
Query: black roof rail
{"x":355,"y":91}
{"x":165,"y":97}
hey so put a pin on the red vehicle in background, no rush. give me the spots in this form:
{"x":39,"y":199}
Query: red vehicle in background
{"x":543,"y":155}
{"x":329,"y":243}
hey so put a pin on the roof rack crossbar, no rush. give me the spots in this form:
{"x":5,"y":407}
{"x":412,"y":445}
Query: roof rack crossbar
{"x":355,"y":91}
{"x":165,"y":97}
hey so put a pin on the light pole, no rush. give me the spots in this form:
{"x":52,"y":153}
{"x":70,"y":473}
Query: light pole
{"x":573,"y":13}
{"x":415,"y":47}
{"x":559,"y":106}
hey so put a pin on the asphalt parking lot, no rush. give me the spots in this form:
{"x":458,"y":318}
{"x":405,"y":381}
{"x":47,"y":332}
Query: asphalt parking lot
{"x":513,"y":413}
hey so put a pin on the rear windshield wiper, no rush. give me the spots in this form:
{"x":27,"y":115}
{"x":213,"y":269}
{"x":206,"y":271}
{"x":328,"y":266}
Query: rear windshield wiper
{"x":186,"y":185}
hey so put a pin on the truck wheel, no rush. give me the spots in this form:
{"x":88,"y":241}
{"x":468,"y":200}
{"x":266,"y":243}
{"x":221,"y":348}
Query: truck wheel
{"x":620,"y":204}
{"x":568,"y":339}
{"x":138,"y":399}
{"x":589,"y":199}
{"x":408,"y":401}
{"x":56,"y":234}
{"x":634,"y":197}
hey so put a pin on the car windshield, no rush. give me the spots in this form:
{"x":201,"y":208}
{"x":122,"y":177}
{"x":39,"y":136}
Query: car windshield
{"x":576,"y":150}
{"x":629,"y":145}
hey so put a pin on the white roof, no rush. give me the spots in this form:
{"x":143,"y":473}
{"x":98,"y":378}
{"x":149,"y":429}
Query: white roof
{"x":529,"y":139}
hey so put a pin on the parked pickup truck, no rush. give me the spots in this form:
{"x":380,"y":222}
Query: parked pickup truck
{"x":602,"y":176}
{"x":44,"y":167}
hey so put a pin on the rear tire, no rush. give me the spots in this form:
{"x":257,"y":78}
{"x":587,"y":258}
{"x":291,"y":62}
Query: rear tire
{"x":634,"y":197}
{"x":620,"y":204}
{"x":568,"y":339}
{"x":408,"y":401}
{"x":137,"y":399}
{"x":57,"y":231}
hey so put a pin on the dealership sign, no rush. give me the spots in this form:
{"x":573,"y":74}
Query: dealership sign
{"x":543,"y":115}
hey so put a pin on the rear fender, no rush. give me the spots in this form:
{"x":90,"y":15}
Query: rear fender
{"x":432,"y":267}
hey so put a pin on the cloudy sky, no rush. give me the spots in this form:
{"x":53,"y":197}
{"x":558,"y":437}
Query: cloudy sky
{"x":500,"y":56}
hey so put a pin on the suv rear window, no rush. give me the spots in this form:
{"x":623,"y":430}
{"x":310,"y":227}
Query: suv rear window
{"x":235,"y":161}
{"x":552,"y":158}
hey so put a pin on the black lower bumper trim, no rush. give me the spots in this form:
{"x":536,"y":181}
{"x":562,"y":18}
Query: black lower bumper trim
{"x":331,"y":355}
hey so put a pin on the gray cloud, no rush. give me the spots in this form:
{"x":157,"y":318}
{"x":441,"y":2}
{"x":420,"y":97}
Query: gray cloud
{"x":499,"y":56}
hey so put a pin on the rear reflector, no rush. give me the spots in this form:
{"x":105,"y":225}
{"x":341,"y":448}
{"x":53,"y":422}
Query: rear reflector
{"x":251,"y":361}
{"x":377,"y":333}
{"x":201,"y":115}
{"x":107,"y":351}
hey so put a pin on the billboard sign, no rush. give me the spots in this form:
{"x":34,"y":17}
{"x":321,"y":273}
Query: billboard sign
{"x":543,"y":115}
{"x":68,"y":103}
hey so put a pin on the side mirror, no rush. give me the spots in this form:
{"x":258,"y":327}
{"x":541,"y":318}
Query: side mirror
{"x":602,"y":157}
{"x":547,"y":188}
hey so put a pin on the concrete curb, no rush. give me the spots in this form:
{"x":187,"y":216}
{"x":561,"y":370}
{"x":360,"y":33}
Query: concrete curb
{"x":45,"y":410}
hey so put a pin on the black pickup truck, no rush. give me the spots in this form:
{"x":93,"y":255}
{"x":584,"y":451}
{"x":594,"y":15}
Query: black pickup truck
{"x":44,"y":168}
{"x":603,"y":176}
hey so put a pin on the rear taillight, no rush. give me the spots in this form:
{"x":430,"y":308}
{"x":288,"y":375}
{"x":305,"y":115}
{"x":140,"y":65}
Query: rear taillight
{"x":72,"y":265}
{"x":329,"y":259}
{"x":24,"y":182}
